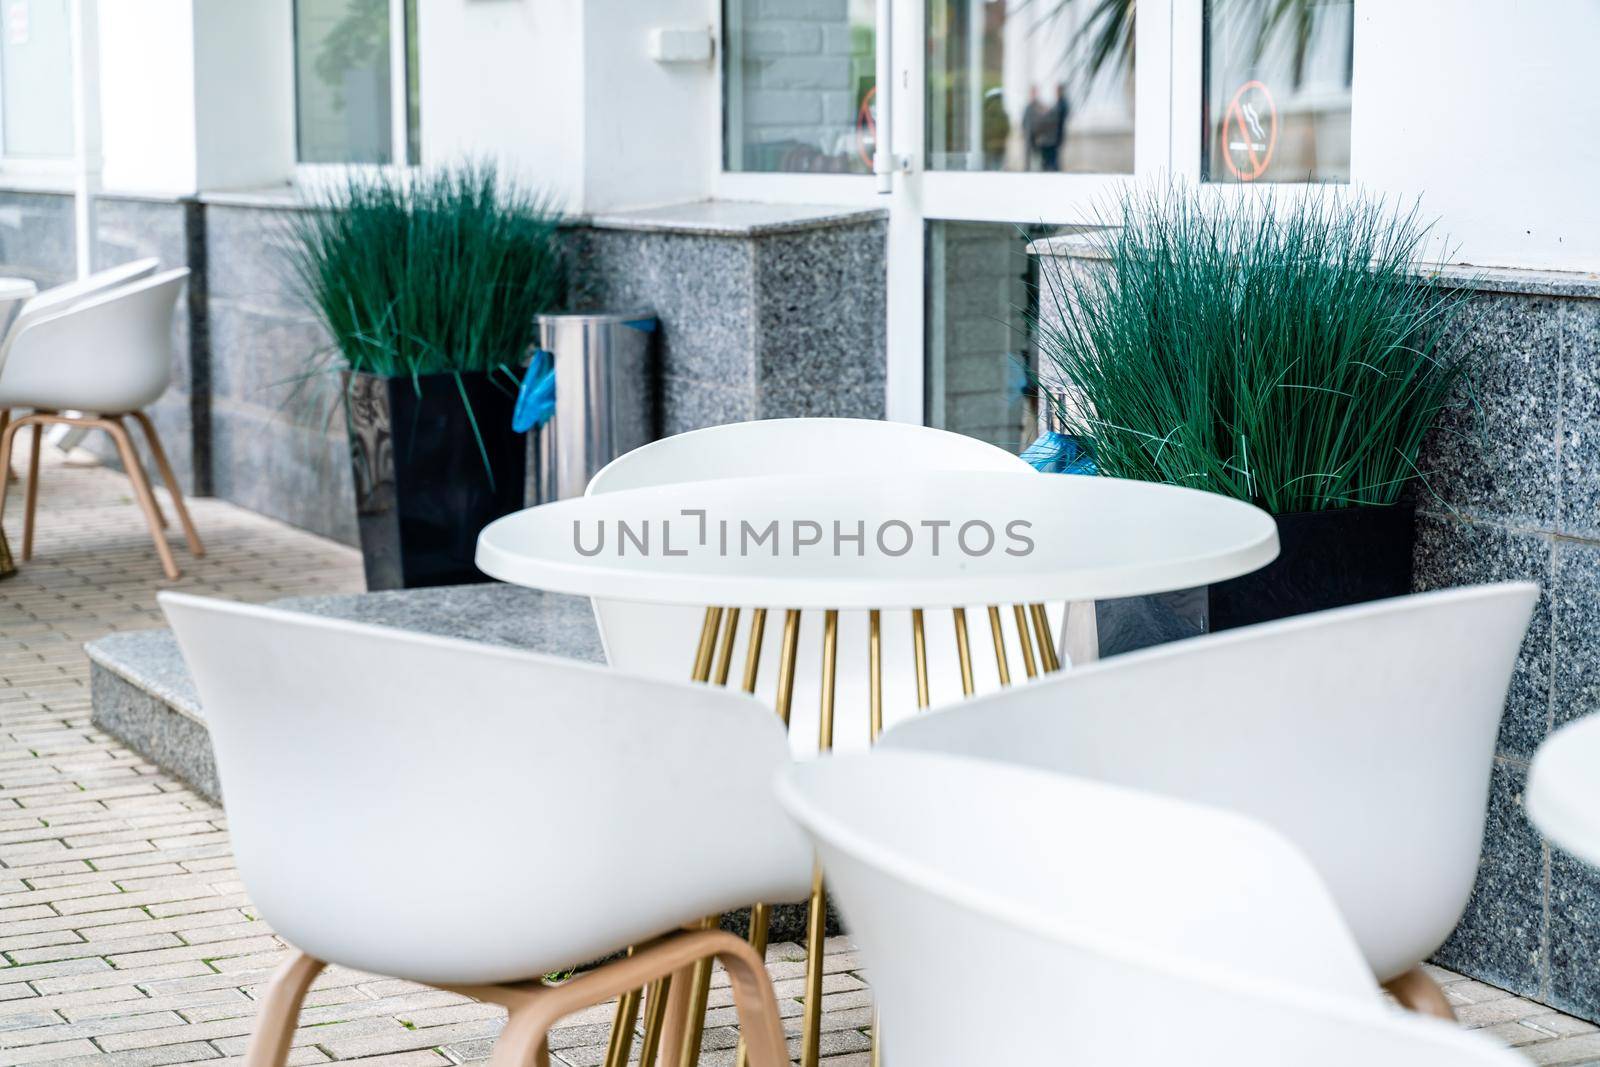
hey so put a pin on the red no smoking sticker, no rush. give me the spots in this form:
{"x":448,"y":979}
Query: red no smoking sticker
{"x":1249,"y":131}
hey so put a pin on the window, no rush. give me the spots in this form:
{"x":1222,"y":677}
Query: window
{"x":36,"y":79}
{"x":798,"y":86}
{"x":982,"y":294}
{"x":346,"y":98}
{"x":1277,"y":90}
{"x":1025,"y":85}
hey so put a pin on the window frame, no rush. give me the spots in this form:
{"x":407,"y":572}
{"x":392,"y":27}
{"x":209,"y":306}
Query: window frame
{"x":404,"y":153}
{"x":48,"y":173}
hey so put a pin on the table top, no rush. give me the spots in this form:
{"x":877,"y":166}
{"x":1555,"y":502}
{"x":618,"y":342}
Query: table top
{"x":17,"y":289}
{"x":919,"y":539}
{"x":1563,"y":797}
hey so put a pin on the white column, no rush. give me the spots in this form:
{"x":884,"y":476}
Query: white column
{"x":85,"y":26}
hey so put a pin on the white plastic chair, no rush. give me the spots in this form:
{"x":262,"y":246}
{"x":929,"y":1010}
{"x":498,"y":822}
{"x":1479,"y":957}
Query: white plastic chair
{"x":1010,"y":916}
{"x":467,"y":816}
{"x":659,"y":640}
{"x":1563,"y":795}
{"x":1364,"y":734}
{"x":92,"y":362}
{"x":61,"y":296}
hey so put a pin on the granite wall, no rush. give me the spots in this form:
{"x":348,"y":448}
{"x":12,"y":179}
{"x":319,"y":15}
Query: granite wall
{"x":752,"y":325}
{"x":759,"y":319}
{"x":129,"y":228}
{"x":1513,"y":491}
{"x":278,"y":443}
{"x":36,"y":237}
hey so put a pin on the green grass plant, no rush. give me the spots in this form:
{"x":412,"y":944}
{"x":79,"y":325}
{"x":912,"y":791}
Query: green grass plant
{"x":429,"y":272}
{"x":1287,"y":351}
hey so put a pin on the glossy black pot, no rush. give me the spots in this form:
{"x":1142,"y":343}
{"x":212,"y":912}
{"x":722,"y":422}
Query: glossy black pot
{"x":423,"y":490}
{"x":1326,"y":559}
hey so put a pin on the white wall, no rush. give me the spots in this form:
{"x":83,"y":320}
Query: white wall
{"x":503,"y":79}
{"x":649,"y":126}
{"x":1489,"y":111}
{"x":147,"y":96}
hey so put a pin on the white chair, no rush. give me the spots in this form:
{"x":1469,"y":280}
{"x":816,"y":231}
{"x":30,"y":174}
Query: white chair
{"x":1563,"y":795}
{"x":92,"y":363}
{"x":467,"y":816}
{"x":660,"y":640}
{"x":1010,"y":916}
{"x":61,"y":296}
{"x":1364,"y":734}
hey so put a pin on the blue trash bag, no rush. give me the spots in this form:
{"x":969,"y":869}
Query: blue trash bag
{"x":1060,"y":453}
{"x":536,"y":401}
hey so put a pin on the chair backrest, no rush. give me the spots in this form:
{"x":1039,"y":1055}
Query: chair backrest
{"x":1098,"y":925}
{"x":108,"y":353}
{"x":659,"y":640}
{"x":1364,"y":734}
{"x":1563,"y":794}
{"x":59,"y":297}
{"x":452,"y":812}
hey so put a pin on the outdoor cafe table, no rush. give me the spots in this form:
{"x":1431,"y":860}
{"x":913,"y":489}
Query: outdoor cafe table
{"x":1018,"y":539}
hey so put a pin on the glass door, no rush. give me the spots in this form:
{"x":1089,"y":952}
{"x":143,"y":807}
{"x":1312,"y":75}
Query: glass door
{"x":1027,"y":118}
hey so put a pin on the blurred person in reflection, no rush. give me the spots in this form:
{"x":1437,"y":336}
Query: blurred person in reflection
{"x":1052,"y":130}
{"x":1032,"y":123}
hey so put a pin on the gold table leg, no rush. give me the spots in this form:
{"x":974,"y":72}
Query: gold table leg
{"x":811,"y":1029}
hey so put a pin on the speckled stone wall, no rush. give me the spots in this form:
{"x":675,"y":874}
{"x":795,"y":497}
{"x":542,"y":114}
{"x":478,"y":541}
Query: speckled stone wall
{"x":756,"y":322}
{"x":278,"y":442}
{"x":1513,"y":491}
{"x":764,"y":311}
{"x":129,"y":228}
{"x":36,"y":237}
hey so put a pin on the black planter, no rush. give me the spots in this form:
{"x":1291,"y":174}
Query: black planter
{"x":1326,"y":559}
{"x":423,"y":490}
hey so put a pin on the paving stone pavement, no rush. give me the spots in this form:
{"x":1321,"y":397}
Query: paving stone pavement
{"x":127,"y":939}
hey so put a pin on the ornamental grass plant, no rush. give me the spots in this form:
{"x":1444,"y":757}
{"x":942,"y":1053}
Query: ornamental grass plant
{"x":1285,"y":352}
{"x":441,"y":271}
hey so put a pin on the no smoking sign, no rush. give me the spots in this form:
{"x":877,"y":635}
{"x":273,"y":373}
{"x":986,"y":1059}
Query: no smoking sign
{"x":1249,"y":131}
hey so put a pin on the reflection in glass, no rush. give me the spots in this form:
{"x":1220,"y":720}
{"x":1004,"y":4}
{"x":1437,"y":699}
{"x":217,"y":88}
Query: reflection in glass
{"x":982,"y":292}
{"x":342,"y":80}
{"x":36,"y":80}
{"x":1043,"y":85}
{"x":798,"y":86}
{"x":1277,"y":99}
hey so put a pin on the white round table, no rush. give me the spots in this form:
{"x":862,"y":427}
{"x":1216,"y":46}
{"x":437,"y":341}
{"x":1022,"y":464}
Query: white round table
{"x":1563,"y":797}
{"x":929,"y":539}
{"x":865,"y":546}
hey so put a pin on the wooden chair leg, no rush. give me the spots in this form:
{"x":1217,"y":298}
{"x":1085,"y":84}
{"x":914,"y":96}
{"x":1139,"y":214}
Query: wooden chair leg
{"x":159,"y":454}
{"x":1421,"y":994}
{"x":7,"y":436}
{"x":759,"y":1022}
{"x":31,"y":501}
{"x":6,"y":473}
{"x":141,"y":489}
{"x":525,"y":1040}
{"x":280,"y":1012}
{"x":675,"y":1019}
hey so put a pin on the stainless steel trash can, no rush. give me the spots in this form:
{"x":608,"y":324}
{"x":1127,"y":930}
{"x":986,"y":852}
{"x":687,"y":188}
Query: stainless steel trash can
{"x":605,"y":402}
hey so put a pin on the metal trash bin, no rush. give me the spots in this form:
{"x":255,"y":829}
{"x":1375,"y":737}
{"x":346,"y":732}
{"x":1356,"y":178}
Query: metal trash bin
{"x":605,"y":398}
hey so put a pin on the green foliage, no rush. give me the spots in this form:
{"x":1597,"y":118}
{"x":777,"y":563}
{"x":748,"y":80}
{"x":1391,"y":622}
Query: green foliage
{"x":441,"y":271}
{"x":1285,"y":353}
